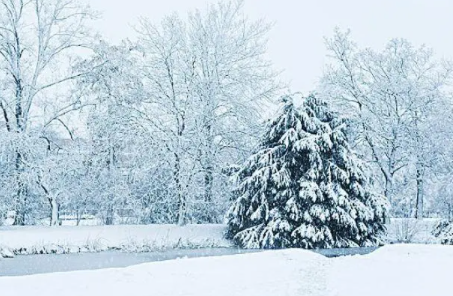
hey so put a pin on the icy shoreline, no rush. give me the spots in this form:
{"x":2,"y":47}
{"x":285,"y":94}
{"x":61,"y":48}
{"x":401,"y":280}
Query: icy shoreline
{"x":131,"y":238}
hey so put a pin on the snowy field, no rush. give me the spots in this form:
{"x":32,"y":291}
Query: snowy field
{"x":286,"y":272}
{"x":134,"y":238}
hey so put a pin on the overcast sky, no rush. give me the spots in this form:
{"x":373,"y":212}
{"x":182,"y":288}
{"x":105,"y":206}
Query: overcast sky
{"x":297,"y":39}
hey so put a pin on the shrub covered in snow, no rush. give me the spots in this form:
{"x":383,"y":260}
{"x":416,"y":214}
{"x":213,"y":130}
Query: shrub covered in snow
{"x":412,"y":231}
{"x":406,"y":230}
{"x":444,"y":231}
{"x":6,"y":253}
{"x":304,"y":187}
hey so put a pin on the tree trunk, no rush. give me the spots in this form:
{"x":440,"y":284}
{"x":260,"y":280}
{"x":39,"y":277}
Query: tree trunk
{"x":388,"y":194}
{"x":182,"y":202}
{"x":419,"y":200}
{"x":208,"y":173}
{"x":208,"y":180}
{"x":420,"y":171}
{"x":55,"y":212}
{"x":78,"y":217}
{"x":21,"y":199}
{"x":182,"y":211}
{"x":109,"y":219}
{"x":21,"y":193}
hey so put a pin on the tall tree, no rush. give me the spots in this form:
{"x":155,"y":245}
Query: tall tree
{"x":205,"y":80}
{"x":114,"y":91}
{"x":232,"y":78}
{"x":304,"y":187}
{"x":36,"y":38}
{"x":389,"y":95}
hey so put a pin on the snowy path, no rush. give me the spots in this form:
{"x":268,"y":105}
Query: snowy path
{"x":397,"y":270}
{"x":36,"y":264}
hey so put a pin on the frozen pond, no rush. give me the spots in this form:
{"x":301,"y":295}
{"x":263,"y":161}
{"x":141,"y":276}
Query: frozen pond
{"x":36,"y":264}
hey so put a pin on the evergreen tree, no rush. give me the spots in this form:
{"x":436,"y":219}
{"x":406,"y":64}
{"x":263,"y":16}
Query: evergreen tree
{"x":304,"y":187}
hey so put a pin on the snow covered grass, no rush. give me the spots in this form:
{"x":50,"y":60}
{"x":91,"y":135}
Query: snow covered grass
{"x":134,"y":238}
{"x":402,"y":270}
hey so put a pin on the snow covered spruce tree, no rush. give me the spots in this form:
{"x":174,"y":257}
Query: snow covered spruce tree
{"x":304,"y":187}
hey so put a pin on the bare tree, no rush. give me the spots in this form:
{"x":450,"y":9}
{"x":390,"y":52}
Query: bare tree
{"x":390,"y":96}
{"x":36,"y":39}
{"x":205,"y":80}
{"x":232,"y":79}
{"x":168,"y":71}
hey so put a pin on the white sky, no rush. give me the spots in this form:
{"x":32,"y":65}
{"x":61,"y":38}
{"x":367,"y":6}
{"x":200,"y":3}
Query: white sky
{"x":297,"y":39}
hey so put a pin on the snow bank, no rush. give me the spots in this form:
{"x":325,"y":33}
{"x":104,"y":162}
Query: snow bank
{"x":269,"y":273}
{"x":399,"y":270}
{"x":136,"y":238}
{"x":420,"y":251}
{"x":142,"y":238}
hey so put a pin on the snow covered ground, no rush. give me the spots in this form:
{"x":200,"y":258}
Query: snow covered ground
{"x":397,"y":270}
{"x":136,"y":238}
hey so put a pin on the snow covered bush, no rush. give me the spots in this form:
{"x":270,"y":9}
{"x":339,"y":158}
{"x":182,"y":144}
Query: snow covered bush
{"x":444,"y":231}
{"x":406,"y":230}
{"x":304,"y":187}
